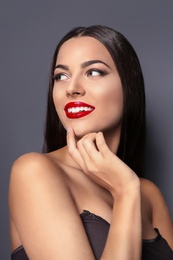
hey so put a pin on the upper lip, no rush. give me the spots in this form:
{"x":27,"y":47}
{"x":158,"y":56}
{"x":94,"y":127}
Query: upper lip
{"x":77,"y":104}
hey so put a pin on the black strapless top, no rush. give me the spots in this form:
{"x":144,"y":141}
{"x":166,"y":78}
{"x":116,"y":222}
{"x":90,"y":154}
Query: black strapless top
{"x":97,"y":230}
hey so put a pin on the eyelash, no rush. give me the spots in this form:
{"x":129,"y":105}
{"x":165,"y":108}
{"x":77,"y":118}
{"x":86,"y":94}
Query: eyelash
{"x":56,"y":76}
{"x":101,"y":72}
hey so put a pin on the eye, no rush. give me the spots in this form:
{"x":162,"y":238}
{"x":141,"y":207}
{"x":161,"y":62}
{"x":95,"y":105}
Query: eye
{"x":95,"y":72}
{"x":60,"y":77}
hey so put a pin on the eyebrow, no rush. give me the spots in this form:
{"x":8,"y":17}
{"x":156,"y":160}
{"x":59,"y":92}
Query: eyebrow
{"x":90,"y":62}
{"x":83,"y":65}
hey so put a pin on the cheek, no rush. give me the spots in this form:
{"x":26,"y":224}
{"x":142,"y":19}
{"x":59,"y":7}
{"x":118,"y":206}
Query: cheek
{"x":114,"y":100}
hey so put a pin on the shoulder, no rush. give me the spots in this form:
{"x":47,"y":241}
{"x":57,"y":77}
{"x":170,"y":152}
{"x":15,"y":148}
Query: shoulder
{"x":30,"y":160}
{"x":152,"y":194}
{"x":43,"y":210}
{"x":31,"y":171}
{"x":150,"y":191}
{"x":35,"y":178}
{"x":160,"y":215}
{"x":33,"y":163}
{"x":154,"y":198}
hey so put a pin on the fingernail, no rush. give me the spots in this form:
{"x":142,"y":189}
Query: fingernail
{"x":68,"y":129}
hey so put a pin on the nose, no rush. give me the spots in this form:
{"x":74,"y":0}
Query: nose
{"x":75,"y":88}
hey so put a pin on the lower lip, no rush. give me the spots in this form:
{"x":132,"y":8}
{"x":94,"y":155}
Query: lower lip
{"x":78,"y":115}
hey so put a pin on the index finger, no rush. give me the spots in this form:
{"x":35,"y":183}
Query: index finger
{"x":72,"y":148}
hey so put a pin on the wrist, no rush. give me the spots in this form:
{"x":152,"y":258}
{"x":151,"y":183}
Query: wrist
{"x":127,"y":190}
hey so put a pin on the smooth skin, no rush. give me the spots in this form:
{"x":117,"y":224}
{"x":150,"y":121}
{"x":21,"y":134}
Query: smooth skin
{"x":48,"y":192}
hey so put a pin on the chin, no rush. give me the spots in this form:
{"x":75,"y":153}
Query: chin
{"x":80,"y":133}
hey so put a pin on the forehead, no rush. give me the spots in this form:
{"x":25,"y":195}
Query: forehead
{"x":83,"y":48}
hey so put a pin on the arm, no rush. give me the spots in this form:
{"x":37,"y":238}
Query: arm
{"x":43,"y":211}
{"x":124,"y":239}
{"x":161,"y":218}
{"x":125,"y":235}
{"x":105,"y":168}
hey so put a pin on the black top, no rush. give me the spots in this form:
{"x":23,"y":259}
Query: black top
{"x":97,"y":230}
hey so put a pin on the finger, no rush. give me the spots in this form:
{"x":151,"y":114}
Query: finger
{"x":106,"y":152}
{"x":88,"y":151}
{"x":81,"y":148}
{"x":72,"y":149}
{"x":89,"y":146}
{"x":101,"y":144}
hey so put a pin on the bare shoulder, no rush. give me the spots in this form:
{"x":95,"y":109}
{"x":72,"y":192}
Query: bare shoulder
{"x":31,"y":160}
{"x":33,"y":166}
{"x":42,"y":210}
{"x":151,"y":192}
{"x":153,"y":195}
{"x":34,"y":171}
{"x":32,"y":174}
{"x":161,"y":218}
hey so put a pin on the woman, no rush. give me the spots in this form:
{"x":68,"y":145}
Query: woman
{"x":86,"y":198}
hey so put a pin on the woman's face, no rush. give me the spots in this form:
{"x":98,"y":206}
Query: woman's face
{"x":87,"y":89}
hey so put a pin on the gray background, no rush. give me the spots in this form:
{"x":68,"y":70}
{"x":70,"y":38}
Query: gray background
{"x":29,"y":31}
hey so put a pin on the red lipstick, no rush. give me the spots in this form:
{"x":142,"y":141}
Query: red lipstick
{"x":77,"y":109}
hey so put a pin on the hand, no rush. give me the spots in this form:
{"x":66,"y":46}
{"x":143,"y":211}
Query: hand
{"x":96,"y":160}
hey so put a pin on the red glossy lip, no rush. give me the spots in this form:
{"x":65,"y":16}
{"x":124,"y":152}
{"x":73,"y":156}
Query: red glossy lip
{"x":72,"y":106}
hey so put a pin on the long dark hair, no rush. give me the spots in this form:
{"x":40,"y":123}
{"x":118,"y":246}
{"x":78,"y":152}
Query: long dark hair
{"x":132,"y":141}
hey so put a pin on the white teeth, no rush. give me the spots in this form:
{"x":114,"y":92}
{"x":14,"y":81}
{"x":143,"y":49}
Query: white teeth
{"x":78,"y":109}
